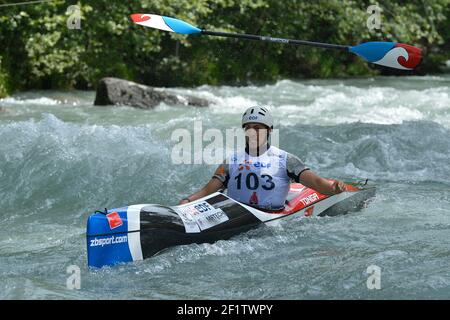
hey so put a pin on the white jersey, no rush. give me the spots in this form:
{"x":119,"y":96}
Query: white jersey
{"x":262,"y":181}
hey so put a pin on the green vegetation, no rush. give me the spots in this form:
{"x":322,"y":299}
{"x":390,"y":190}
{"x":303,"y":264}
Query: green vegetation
{"x":3,"y":82}
{"x":38,"y":50}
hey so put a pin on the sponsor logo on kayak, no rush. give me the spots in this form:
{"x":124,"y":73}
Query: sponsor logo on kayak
{"x":114,"y":220}
{"x":101,"y":242}
{"x":310,"y":199}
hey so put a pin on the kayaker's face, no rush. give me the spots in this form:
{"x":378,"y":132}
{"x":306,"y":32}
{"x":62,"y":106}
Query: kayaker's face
{"x":256,"y":134}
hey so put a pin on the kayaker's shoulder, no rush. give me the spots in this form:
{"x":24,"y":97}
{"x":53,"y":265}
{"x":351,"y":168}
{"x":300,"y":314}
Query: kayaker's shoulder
{"x":294,"y":161}
{"x":275,"y":151}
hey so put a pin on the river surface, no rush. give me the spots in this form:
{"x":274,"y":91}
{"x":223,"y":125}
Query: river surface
{"x":61,"y":158}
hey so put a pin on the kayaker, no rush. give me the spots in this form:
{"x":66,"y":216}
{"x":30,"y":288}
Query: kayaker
{"x":261,"y":174}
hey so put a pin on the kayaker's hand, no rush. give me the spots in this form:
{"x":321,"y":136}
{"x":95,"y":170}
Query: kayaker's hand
{"x":183,"y":201}
{"x":338,"y":186}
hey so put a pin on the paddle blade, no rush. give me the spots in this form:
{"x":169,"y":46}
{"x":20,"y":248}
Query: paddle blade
{"x":389,"y":54}
{"x":164,"y":23}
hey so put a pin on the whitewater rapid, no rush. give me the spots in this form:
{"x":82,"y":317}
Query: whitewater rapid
{"x":61,"y":158}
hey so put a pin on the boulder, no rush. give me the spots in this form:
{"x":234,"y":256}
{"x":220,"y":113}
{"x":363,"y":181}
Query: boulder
{"x":113,"y":91}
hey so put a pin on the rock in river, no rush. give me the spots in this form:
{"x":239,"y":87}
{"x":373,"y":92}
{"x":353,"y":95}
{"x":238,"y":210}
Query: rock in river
{"x":114,"y":91}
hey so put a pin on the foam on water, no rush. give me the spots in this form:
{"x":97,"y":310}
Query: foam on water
{"x":335,"y":102}
{"x":38,"y":101}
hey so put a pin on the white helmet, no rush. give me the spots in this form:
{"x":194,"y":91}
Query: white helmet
{"x":257,"y":115}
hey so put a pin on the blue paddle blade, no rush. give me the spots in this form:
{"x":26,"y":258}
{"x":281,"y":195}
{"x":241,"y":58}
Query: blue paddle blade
{"x":389,"y":54}
{"x":164,"y":23}
{"x":372,"y":51}
{"x":179,"y":26}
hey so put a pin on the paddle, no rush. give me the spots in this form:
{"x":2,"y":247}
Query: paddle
{"x":388,"y":54}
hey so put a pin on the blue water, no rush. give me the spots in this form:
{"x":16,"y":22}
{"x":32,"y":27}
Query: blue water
{"x":61,"y":158}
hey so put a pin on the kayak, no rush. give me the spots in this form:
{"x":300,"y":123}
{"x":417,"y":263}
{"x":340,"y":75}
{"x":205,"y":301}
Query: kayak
{"x":141,"y":231}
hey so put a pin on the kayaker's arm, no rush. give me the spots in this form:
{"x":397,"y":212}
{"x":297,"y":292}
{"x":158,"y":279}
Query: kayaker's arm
{"x":212,"y":186}
{"x":299,"y":172}
{"x":324,"y":186}
{"x":218,"y":181}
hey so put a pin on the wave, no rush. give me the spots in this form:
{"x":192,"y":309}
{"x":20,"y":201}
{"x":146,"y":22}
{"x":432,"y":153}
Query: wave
{"x":335,"y":101}
{"x":54,"y":166}
{"x":36,"y":101}
{"x":410,"y":151}
{"x":57,"y":167}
